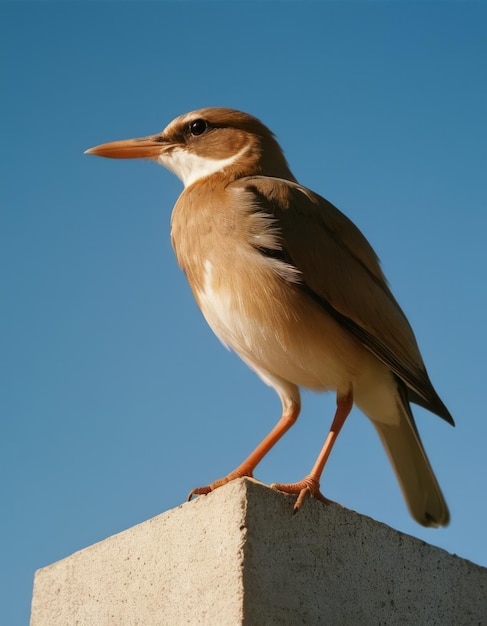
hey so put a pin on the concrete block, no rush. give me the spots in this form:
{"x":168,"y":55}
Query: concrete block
{"x":240,"y":556}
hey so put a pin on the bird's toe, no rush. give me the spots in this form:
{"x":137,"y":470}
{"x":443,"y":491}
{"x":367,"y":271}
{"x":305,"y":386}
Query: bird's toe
{"x":303,"y":489}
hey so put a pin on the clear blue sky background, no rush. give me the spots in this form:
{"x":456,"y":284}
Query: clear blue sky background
{"x":116,"y":398}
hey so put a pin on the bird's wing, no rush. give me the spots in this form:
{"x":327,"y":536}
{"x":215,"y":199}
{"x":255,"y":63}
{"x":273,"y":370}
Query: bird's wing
{"x":341,"y":272}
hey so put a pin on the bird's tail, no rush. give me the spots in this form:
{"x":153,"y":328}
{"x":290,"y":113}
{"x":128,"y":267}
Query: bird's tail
{"x":413,"y":470}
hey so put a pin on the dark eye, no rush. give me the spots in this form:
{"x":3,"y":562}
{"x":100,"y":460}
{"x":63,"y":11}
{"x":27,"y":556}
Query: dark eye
{"x":198,"y":127}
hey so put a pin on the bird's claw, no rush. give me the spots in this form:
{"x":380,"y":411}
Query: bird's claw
{"x":240,"y":472}
{"x":303,"y":489}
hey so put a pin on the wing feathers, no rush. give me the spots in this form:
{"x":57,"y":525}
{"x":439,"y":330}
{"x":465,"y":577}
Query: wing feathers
{"x":333,"y":257}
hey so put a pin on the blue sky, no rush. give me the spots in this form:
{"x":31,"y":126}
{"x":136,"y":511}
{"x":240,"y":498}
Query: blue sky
{"x":116,"y":398}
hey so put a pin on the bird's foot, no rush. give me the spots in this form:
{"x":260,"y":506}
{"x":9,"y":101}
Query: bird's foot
{"x":303,"y":489}
{"x":241,"y":472}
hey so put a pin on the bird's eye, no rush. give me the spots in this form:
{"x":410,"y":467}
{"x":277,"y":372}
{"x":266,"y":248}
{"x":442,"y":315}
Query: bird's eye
{"x":198,"y":127}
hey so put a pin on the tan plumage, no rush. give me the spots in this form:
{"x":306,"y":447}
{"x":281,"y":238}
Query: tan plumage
{"x":290,"y":284}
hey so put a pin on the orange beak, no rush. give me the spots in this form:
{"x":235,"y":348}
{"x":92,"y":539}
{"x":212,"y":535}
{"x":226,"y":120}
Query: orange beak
{"x":142,"y":147}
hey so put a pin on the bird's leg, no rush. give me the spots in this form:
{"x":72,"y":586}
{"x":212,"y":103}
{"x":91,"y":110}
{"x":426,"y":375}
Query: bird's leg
{"x":311,"y":483}
{"x":289,"y":416}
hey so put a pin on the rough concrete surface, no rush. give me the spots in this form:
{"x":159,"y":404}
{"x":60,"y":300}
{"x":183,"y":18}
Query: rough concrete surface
{"x":239,"y":556}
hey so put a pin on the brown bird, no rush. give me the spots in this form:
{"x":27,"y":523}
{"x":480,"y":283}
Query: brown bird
{"x":293,"y":287}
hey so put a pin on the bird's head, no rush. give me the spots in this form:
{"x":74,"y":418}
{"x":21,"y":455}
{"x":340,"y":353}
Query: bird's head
{"x":206,"y":142}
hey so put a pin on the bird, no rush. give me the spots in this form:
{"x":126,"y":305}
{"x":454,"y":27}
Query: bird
{"x":291,"y":285}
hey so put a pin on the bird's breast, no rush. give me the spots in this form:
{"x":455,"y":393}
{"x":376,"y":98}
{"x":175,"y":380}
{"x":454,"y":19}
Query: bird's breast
{"x":242,"y":306}
{"x":276,"y":329}
{"x":252,"y":301}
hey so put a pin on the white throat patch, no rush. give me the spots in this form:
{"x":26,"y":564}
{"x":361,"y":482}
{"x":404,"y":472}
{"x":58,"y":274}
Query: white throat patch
{"x":190,"y":167}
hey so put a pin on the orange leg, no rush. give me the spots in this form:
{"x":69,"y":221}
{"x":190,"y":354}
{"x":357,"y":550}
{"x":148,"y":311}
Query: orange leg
{"x":288,"y":418}
{"x":311,"y":483}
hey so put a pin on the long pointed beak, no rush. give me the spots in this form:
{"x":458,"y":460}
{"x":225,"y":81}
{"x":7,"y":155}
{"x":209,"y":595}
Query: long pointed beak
{"x":141,"y":147}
